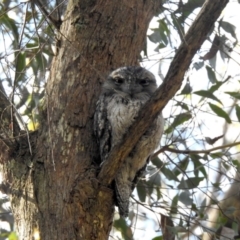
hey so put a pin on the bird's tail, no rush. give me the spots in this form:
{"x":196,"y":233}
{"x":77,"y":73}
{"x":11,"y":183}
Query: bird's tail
{"x":123,"y":191}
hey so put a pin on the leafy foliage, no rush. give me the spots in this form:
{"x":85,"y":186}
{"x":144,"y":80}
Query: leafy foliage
{"x":187,"y":177}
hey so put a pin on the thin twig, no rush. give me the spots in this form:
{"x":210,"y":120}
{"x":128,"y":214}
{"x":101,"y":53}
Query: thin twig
{"x":189,"y":151}
{"x":56,"y":22}
{"x":23,"y":27}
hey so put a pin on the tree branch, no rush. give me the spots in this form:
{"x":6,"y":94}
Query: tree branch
{"x":56,"y":22}
{"x":194,"y":38}
{"x":189,"y":151}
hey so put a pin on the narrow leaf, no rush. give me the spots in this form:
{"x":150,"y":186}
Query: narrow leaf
{"x":216,"y":86}
{"x":155,"y":36}
{"x":220,"y":112}
{"x":158,"y":238}
{"x":230,"y":28}
{"x":11,"y":26}
{"x":198,"y":65}
{"x":180,"y":119}
{"x":238,"y":112}
{"x":182,"y":105}
{"x":181,"y":167}
{"x":187,"y":89}
{"x":191,"y":182}
{"x":174,"y":205}
{"x":170,"y":175}
{"x":185,"y":197}
{"x":207,"y":94}
{"x":164,"y":31}
{"x":157,"y":162}
{"x":211,"y":74}
{"x":234,"y":94}
{"x":141,"y":190}
{"x":20,"y":67}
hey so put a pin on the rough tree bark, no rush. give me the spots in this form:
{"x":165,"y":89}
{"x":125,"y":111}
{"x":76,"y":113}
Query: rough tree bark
{"x":54,"y":187}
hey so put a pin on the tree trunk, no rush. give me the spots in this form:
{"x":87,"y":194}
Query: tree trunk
{"x":54,"y":189}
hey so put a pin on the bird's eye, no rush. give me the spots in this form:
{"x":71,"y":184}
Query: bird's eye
{"x":119,"y":81}
{"x":144,"y":82}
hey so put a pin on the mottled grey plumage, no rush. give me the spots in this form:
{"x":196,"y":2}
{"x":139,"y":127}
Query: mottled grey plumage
{"x":123,"y":94}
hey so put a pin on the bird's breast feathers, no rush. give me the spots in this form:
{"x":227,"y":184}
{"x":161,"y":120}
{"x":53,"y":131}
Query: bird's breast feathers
{"x":121,"y":114}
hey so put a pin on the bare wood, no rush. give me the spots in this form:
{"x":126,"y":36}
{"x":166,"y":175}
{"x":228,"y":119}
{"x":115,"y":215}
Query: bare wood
{"x":194,"y":38}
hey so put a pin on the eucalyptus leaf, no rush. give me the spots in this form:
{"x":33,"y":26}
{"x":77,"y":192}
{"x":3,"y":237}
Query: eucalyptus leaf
{"x":211,"y":74}
{"x":185,"y":197}
{"x":237,"y":108}
{"x":220,"y":112}
{"x":234,"y":94}
{"x":191,"y":182}
{"x":179,"y":119}
{"x":141,"y":191}
{"x":207,"y":94}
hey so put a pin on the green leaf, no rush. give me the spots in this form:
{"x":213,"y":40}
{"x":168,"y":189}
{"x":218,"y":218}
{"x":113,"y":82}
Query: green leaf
{"x":174,"y":205}
{"x":216,"y":155}
{"x":157,"y":162}
{"x":155,"y":36}
{"x":236,"y":164}
{"x":187,"y":89}
{"x":141,"y":190}
{"x":170,"y":175}
{"x":12,"y":236}
{"x":189,"y":7}
{"x":220,"y":112}
{"x":185,"y":197}
{"x":20,"y":66}
{"x":202,"y":209}
{"x":235,"y":228}
{"x":230,"y":28}
{"x":191,"y":182}
{"x":211,"y":75}
{"x":182,"y":105}
{"x":198,"y":65}
{"x":207,"y":94}
{"x":122,"y":226}
{"x":178,"y":25}
{"x":10,"y":25}
{"x":158,"y":238}
{"x":179,"y":119}
{"x":41,"y":61}
{"x":163,"y":26}
{"x":216,"y":86}
{"x":198,"y":166}
{"x":155,"y":179}
{"x":159,"y":194}
{"x":181,"y":167}
{"x":164,"y":31}
{"x":160,"y":34}
{"x":234,"y":94}
{"x":238,"y":112}
{"x":160,"y":46}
